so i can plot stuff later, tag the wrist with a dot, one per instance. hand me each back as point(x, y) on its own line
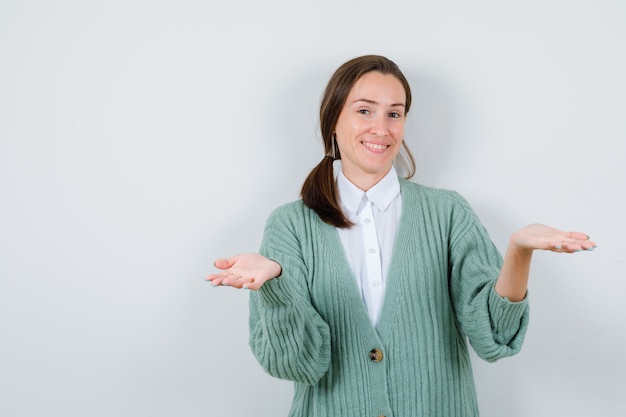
point(276, 270)
point(517, 249)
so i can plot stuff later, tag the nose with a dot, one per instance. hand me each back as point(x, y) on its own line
point(379, 126)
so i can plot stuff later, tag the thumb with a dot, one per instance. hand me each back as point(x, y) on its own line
point(224, 263)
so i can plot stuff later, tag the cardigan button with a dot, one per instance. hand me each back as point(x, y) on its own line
point(376, 355)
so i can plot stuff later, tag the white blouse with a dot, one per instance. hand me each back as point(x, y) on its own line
point(369, 243)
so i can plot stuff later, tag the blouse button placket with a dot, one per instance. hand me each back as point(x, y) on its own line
point(373, 283)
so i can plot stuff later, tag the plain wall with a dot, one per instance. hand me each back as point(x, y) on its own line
point(140, 140)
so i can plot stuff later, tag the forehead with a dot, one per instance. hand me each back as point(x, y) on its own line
point(378, 87)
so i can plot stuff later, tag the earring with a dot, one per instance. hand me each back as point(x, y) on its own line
point(333, 152)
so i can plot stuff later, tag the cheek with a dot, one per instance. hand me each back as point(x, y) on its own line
point(349, 129)
point(398, 131)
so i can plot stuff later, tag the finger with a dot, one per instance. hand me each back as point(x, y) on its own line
point(235, 283)
point(252, 285)
point(242, 282)
point(560, 246)
point(249, 283)
point(215, 280)
point(579, 241)
point(219, 278)
point(565, 248)
point(225, 263)
point(589, 245)
point(571, 247)
point(213, 277)
point(577, 235)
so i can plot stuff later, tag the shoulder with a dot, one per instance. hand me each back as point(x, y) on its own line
point(440, 206)
point(436, 197)
point(293, 209)
point(293, 215)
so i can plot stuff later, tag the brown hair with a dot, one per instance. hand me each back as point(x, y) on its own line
point(319, 190)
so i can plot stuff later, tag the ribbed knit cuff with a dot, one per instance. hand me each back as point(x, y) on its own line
point(506, 316)
point(276, 292)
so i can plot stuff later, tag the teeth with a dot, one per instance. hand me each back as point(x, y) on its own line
point(374, 146)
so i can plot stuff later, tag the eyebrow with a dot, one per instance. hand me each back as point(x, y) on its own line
point(368, 101)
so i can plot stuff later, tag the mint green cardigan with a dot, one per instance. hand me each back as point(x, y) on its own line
point(310, 325)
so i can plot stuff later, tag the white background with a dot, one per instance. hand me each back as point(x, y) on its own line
point(140, 140)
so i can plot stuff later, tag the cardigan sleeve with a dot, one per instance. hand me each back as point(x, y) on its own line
point(287, 335)
point(494, 325)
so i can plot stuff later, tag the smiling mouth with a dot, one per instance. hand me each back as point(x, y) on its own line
point(375, 146)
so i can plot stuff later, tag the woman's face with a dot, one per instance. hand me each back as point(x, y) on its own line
point(370, 128)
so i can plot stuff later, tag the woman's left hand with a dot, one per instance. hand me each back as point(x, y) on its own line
point(513, 280)
point(542, 237)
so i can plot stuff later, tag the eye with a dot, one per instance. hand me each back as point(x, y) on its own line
point(363, 111)
point(395, 115)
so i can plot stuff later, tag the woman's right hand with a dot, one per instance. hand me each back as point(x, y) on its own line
point(247, 271)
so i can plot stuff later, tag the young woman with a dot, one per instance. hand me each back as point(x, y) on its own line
point(368, 288)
